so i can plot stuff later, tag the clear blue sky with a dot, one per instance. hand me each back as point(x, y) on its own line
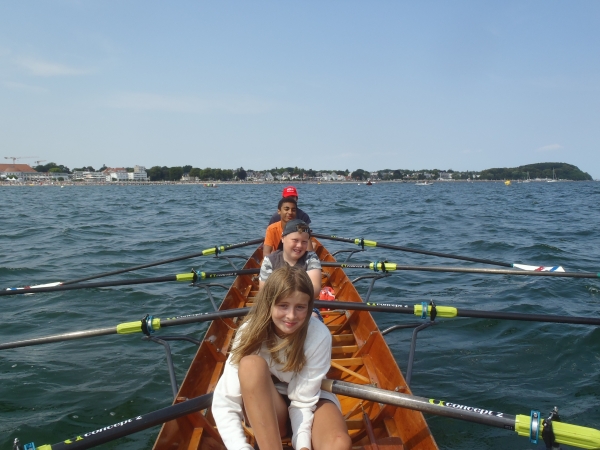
point(338, 85)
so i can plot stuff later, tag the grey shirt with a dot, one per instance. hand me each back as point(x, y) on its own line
point(308, 261)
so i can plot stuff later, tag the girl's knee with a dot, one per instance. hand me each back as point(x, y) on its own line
point(252, 363)
point(252, 368)
point(342, 442)
point(335, 441)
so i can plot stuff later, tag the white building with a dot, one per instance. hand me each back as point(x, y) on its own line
point(21, 171)
point(116, 174)
point(139, 174)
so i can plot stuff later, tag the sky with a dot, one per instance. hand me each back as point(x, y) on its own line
point(462, 85)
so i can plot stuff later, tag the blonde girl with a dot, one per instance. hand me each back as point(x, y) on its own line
point(280, 341)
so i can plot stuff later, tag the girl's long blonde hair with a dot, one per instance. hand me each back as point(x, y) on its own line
point(259, 328)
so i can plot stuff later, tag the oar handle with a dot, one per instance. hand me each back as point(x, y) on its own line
point(575, 435)
point(564, 433)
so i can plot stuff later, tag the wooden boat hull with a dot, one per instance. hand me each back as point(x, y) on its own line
point(359, 355)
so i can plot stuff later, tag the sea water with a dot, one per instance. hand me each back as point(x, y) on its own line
point(49, 393)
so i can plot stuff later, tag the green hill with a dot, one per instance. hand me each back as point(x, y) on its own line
point(562, 171)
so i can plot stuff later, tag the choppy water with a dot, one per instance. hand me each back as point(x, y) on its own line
point(52, 392)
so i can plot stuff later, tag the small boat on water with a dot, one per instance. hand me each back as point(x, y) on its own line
point(368, 183)
point(360, 355)
point(424, 183)
point(213, 185)
point(507, 182)
point(553, 180)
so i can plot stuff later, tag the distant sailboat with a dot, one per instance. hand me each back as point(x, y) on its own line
point(553, 180)
point(528, 180)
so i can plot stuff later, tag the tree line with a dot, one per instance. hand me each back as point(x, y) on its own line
point(562, 171)
point(163, 173)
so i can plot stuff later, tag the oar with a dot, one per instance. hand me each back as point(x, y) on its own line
point(383, 266)
point(578, 436)
point(367, 243)
point(148, 325)
point(209, 251)
point(525, 425)
point(451, 312)
point(188, 277)
point(153, 324)
point(129, 426)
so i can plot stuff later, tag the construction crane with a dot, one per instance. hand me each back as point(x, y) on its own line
point(14, 158)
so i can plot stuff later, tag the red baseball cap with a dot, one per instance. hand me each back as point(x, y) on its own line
point(290, 191)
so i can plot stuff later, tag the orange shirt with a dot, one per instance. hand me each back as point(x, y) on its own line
point(273, 235)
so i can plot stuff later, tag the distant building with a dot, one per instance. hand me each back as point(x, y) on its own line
point(268, 176)
point(21, 171)
point(115, 174)
point(445, 176)
point(139, 174)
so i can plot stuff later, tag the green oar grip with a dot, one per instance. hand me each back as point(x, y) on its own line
point(365, 242)
point(442, 311)
point(564, 433)
point(379, 266)
point(212, 251)
point(135, 327)
point(186, 277)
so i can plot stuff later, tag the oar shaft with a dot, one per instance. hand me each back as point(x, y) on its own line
point(187, 277)
point(129, 328)
point(368, 243)
point(100, 284)
point(226, 273)
point(578, 320)
point(133, 425)
point(204, 317)
point(450, 312)
point(60, 338)
point(208, 251)
point(431, 406)
point(390, 267)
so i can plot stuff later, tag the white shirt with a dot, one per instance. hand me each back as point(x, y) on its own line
point(303, 390)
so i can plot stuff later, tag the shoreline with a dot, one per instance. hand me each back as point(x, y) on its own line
point(244, 183)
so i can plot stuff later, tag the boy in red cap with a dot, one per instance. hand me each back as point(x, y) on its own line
point(286, 211)
point(291, 192)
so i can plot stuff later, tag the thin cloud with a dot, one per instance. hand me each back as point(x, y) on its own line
point(23, 87)
point(49, 69)
point(168, 103)
point(549, 148)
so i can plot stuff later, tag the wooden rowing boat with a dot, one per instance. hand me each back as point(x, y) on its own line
point(359, 355)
